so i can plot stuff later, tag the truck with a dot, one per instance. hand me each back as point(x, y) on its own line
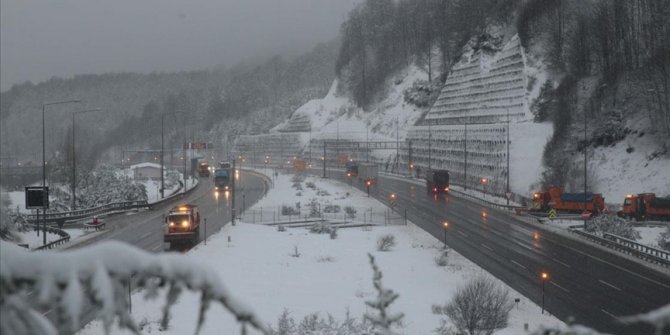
point(222, 180)
point(225, 165)
point(367, 172)
point(553, 197)
point(182, 225)
point(437, 181)
point(203, 168)
point(645, 206)
point(351, 169)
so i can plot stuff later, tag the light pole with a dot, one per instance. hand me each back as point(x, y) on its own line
point(465, 156)
point(484, 182)
point(507, 192)
point(445, 225)
point(74, 162)
point(44, 165)
point(544, 277)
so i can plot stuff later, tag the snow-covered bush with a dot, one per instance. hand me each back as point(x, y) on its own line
point(442, 259)
point(322, 193)
point(330, 208)
point(481, 307)
point(664, 239)
point(314, 208)
point(612, 224)
point(65, 281)
point(351, 212)
point(385, 242)
point(314, 324)
point(311, 185)
point(333, 233)
point(288, 210)
point(321, 228)
point(281, 228)
point(383, 322)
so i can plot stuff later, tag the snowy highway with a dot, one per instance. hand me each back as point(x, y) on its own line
point(145, 229)
point(587, 283)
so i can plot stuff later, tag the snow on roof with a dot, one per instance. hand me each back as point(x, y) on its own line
point(143, 165)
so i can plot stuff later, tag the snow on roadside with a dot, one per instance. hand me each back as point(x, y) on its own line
point(329, 277)
point(33, 240)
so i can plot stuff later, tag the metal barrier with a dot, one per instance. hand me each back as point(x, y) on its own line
point(637, 246)
point(83, 213)
point(65, 237)
point(628, 247)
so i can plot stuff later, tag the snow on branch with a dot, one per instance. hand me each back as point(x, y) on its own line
point(384, 321)
point(97, 277)
point(659, 318)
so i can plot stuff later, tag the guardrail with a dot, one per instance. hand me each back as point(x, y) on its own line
point(65, 237)
point(83, 213)
point(638, 246)
point(628, 246)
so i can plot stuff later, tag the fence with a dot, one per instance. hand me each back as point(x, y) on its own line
point(64, 237)
point(627, 246)
point(83, 213)
point(315, 212)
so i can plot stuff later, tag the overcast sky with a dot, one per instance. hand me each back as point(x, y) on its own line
point(44, 38)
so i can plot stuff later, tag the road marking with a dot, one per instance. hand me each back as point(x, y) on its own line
point(559, 286)
point(487, 247)
point(608, 313)
point(610, 285)
point(145, 235)
point(462, 233)
point(559, 262)
point(157, 247)
point(517, 264)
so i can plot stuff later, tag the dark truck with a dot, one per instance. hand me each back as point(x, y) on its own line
point(203, 169)
point(222, 181)
point(182, 225)
point(437, 181)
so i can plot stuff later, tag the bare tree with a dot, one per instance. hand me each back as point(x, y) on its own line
point(479, 308)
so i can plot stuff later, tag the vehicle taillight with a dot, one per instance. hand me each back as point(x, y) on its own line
point(435, 189)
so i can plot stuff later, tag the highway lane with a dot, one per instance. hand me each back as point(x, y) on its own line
point(145, 229)
point(587, 284)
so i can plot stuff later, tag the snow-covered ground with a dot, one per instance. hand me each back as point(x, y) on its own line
point(330, 276)
point(33, 240)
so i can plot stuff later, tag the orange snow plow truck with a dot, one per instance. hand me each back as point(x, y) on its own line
point(554, 197)
point(182, 225)
point(645, 206)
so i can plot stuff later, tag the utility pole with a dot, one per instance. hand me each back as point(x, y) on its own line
point(324, 158)
point(585, 162)
point(409, 157)
point(74, 161)
point(507, 194)
point(465, 157)
point(162, 155)
point(232, 201)
point(367, 144)
point(397, 145)
point(430, 150)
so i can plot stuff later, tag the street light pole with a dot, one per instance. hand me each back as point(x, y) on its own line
point(162, 155)
point(74, 153)
point(544, 277)
point(44, 166)
point(465, 157)
point(507, 192)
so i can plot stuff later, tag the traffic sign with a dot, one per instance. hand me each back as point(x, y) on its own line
point(36, 196)
point(552, 214)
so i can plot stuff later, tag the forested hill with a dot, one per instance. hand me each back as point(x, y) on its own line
point(603, 61)
point(132, 103)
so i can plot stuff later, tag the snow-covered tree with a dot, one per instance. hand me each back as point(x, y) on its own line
point(612, 224)
point(96, 278)
point(106, 185)
point(383, 321)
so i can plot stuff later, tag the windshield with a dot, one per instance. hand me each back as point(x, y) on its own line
point(178, 218)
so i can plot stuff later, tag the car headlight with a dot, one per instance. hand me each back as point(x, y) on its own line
point(184, 223)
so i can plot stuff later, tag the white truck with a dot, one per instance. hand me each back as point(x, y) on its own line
point(367, 172)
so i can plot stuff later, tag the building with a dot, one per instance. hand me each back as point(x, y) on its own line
point(145, 171)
